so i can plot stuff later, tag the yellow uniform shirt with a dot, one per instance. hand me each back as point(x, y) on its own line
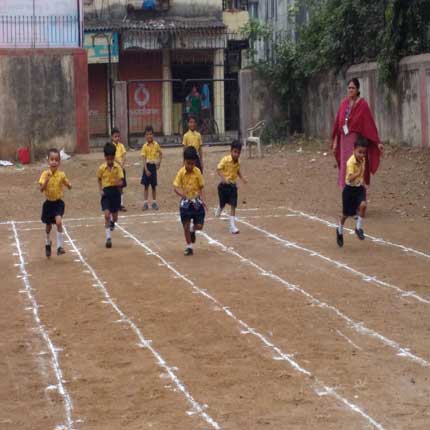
point(54, 189)
point(151, 151)
point(229, 168)
point(110, 176)
point(120, 152)
point(192, 138)
point(190, 183)
point(354, 167)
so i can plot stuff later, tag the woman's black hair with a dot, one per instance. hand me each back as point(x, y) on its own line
point(356, 82)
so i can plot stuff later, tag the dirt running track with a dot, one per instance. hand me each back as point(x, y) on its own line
point(275, 328)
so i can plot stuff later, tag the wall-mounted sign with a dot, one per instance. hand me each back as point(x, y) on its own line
point(97, 46)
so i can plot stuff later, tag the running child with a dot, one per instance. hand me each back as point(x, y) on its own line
point(52, 182)
point(151, 157)
point(229, 170)
point(120, 157)
point(354, 193)
point(193, 138)
point(188, 185)
point(110, 179)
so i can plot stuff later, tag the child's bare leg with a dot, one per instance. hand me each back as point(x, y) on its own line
point(60, 243)
point(198, 227)
point(187, 233)
point(145, 194)
point(114, 217)
point(233, 228)
point(342, 220)
point(361, 215)
point(154, 194)
point(107, 218)
point(48, 233)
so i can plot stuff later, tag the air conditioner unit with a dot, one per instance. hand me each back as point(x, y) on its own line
point(148, 5)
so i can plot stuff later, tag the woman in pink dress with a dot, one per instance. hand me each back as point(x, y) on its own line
point(353, 119)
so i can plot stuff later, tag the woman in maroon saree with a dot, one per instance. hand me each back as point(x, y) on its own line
point(354, 118)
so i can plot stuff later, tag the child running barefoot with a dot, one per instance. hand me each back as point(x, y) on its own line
point(120, 156)
point(52, 182)
point(354, 193)
point(188, 185)
point(229, 170)
point(151, 156)
point(110, 179)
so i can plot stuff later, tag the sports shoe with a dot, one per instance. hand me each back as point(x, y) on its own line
point(234, 230)
point(48, 249)
point(112, 226)
point(339, 238)
point(155, 206)
point(360, 233)
point(188, 251)
point(60, 251)
point(218, 212)
point(193, 237)
point(109, 243)
point(145, 207)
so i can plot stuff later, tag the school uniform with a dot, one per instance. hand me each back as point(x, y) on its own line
point(54, 205)
point(109, 177)
point(227, 191)
point(151, 153)
point(191, 184)
point(354, 192)
point(119, 157)
point(194, 138)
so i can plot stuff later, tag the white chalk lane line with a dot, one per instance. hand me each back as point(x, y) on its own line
point(320, 388)
point(369, 279)
point(196, 407)
point(359, 327)
point(53, 350)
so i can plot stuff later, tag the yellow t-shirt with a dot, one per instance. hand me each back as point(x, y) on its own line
point(192, 138)
point(191, 183)
point(120, 152)
point(110, 176)
point(54, 189)
point(151, 151)
point(353, 167)
point(229, 168)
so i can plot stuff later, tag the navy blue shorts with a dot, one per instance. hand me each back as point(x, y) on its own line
point(111, 199)
point(192, 210)
point(52, 209)
point(352, 197)
point(227, 194)
point(150, 180)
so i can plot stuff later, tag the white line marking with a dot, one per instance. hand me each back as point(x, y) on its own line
point(367, 278)
point(197, 408)
point(279, 354)
point(348, 340)
point(53, 350)
point(359, 327)
point(377, 240)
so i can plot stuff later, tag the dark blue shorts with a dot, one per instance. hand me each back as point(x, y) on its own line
point(227, 194)
point(111, 199)
point(192, 210)
point(352, 197)
point(150, 180)
point(52, 209)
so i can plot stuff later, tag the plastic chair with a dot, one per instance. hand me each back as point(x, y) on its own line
point(254, 138)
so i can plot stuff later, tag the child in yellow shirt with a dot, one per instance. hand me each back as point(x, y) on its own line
point(354, 193)
point(151, 157)
point(229, 170)
point(193, 138)
point(120, 157)
point(110, 179)
point(51, 183)
point(188, 185)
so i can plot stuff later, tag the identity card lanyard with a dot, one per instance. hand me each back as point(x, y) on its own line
point(347, 115)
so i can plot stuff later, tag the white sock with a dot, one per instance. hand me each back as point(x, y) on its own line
point(59, 239)
point(192, 228)
point(47, 239)
point(108, 236)
point(340, 229)
point(232, 219)
point(359, 223)
point(190, 245)
point(122, 199)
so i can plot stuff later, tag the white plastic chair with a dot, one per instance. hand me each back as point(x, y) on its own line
point(254, 138)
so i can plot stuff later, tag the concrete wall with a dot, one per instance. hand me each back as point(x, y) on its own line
point(44, 101)
point(402, 115)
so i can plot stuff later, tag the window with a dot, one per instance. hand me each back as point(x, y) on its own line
point(235, 4)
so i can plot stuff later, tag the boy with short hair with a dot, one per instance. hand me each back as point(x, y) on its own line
point(151, 156)
point(188, 185)
point(354, 193)
point(229, 170)
point(120, 156)
point(51, 182)
point(110, 179)
point(193, 138)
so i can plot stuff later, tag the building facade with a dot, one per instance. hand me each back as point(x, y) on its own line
point(164, 50)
